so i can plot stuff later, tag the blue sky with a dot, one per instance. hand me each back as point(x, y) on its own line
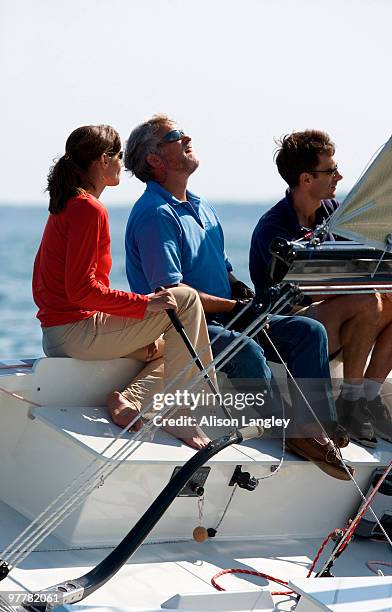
point(236, 75)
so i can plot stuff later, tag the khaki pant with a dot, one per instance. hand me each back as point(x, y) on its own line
point(148, 382)
point(105, 336)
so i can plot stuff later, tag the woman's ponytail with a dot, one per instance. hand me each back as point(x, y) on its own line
point(64, 181)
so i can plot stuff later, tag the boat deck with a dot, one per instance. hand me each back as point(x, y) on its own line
point(276, 529)
point(158, 571)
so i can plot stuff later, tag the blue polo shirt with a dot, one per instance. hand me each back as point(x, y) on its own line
point(280, 221)
point(169, 242)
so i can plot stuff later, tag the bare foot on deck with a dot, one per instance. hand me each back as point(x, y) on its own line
point(122, 411)
point(196, 442)
point(195, 436)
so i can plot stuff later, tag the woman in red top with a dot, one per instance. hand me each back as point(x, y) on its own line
point(81, 316)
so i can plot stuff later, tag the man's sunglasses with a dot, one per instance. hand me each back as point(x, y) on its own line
point(173, 136)
point(331, 171)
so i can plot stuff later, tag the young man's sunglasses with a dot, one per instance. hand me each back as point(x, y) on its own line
point(331, 171)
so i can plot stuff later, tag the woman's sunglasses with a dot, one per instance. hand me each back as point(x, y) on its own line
point(120, 154)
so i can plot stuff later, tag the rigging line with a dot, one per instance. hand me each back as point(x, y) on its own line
point(262, 318)
point(96, 460)
point(350, 528)
point(298, 388)
point(225, 328)
point(325, 433)
point(46, 527)
point(5, 606)
point(65, 506)
point(119, 436)
point(110, 470)
point(226, 508)
point(73, 500)
point(276, 470)
point(233, 320)
point(368, 507)
point(259, 320)
point(329, 214)
point(252, 335)
point(275, 309)
point(254, 330)
point(379, 262)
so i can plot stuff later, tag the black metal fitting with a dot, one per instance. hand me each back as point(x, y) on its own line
point(243, 479)
point(4, 569)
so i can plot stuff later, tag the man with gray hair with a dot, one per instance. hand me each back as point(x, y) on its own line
point(174, 237)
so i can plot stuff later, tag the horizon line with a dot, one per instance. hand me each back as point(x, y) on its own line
point(217, 202)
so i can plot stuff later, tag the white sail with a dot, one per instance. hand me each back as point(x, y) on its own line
point(366, 213)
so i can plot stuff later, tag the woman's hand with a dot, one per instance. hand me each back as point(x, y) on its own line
point(161, 301)
point(155, 349)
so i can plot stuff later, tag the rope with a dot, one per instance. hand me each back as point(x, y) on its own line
point(226, 508)
point(320, 550)
point(298, 388)
point(379, 262)
point(335, 532)
point(5, 606)
point(277, 580)
point(351, 528)
point(251, 573)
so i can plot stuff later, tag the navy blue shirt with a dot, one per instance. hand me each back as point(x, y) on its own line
point(168, 242)
point(280, 221)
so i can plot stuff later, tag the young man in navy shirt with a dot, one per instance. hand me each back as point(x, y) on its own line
point(305, 160)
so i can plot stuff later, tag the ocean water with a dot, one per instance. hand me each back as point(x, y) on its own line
point(20, 234)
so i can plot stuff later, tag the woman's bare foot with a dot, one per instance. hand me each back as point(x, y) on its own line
point(195, 436)
point(122, 411)
point(196, 442)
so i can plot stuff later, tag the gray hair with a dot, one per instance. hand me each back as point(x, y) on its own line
point(142, 141)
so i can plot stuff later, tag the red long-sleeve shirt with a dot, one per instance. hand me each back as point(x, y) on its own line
point(72, 266)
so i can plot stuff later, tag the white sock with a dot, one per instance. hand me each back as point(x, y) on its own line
point(372, 388)
point(352, 392)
